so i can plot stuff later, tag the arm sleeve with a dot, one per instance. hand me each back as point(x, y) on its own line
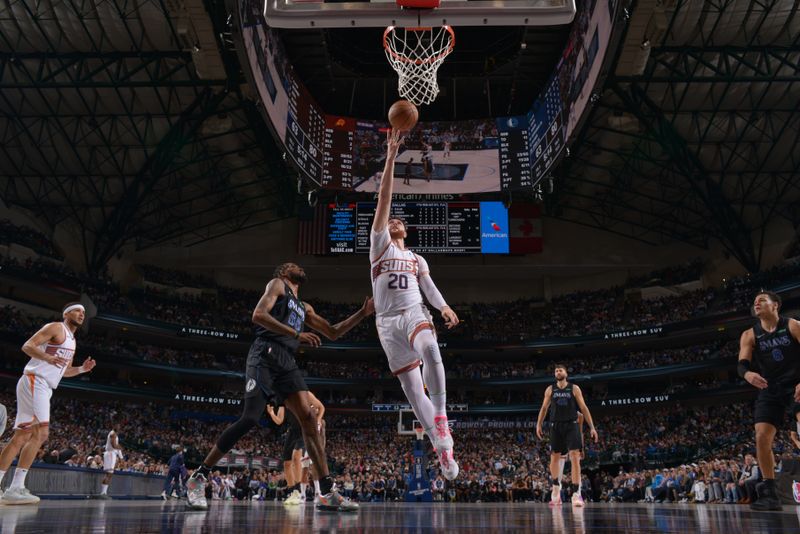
point(378, 243)
point(428, 287)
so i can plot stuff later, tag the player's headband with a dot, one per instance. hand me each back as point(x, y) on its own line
point(73, 308)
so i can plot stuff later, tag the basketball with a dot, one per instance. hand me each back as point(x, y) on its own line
point(403, 115)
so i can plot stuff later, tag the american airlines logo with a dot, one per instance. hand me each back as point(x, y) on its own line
point(394, 266)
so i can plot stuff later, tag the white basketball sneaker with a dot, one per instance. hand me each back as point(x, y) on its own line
point(196, 492)
point(555, 496)
point(577, 499)
point(293, 499)
point(19, 496)
point(444, 447)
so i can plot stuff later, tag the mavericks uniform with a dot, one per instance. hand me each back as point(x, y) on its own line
point(399, 312)
point(40, 378)
point(564, 432)
point(271, 368)
point(777, 358)
point(294, 437)
point(111, 454)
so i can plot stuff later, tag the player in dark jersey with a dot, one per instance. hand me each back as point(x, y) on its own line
point(272, 376)
point(565, 436)
point(769, 359)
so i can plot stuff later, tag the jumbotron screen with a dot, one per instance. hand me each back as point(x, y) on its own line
point(475, 156)
point(432, 227)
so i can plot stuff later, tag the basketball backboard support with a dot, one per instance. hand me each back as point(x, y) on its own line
point(383, 13)
point(406, 421)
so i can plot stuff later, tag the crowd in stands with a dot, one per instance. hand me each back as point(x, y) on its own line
point(174, 277)
point(499, 460)
point(28, 237)
point(576, 314)
point(21, 325)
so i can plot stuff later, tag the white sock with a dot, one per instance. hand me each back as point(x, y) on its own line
point(411, 382)
point(2, 474)
point(316, 488)
point(425, 344)
point(303, 487)
point(103, 489)
point(561, 464)
point(19, 478)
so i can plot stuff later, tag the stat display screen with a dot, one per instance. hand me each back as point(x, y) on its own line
point(432, 227)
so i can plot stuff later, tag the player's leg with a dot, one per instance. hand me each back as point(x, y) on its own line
point(23, 424)
point(575, 460)
point(414, 388)
point(555, 493)
point(769, 414)
point(254, 406)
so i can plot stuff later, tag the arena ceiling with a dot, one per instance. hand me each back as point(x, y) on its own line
point(132, 119)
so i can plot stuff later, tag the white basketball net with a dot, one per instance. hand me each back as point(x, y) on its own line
point(416, 54)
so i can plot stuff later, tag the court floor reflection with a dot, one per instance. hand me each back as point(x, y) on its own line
point(172, 517)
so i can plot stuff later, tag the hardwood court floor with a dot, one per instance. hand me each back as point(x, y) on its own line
point(67, 516)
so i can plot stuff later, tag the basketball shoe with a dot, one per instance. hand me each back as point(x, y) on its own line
point(555, 496)
point(293, 499)
point(334, 501)
point(196, 492)
point(19, 496)
point(444, 447)
point(577, 499)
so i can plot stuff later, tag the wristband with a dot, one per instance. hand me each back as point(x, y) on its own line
point(743, 367)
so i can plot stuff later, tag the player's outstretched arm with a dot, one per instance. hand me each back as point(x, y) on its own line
point(433, 294)
point(585, 411)
point(333, 332)
point(746, 345)
point(543, 411)
point(384, 207)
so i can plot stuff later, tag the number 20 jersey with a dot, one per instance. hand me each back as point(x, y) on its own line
point(394, 273)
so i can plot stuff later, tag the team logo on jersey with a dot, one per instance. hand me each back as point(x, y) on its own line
point(777, 355)
point(250, 386)
point(796, 491)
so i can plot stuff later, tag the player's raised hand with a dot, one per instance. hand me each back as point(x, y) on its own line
point(757, 380)
point(369, 306)
point(310, 338)
point(450, 317)
point(88, 365)
point(394, 138)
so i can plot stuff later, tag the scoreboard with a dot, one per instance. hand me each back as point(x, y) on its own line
point(432, 227)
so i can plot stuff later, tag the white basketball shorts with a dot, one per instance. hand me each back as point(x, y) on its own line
point(109, 461)
point(397, 332)
point(33, 402)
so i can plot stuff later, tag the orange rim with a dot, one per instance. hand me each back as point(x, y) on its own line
point(405, 59)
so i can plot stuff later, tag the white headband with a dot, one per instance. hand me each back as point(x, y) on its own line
point(72, 308)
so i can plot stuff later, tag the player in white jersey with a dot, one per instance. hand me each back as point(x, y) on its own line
point(112, 453)
point(405, 326)
point(51, 350)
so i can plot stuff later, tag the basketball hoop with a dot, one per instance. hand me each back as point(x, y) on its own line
point(420, 433)
point(416, 54)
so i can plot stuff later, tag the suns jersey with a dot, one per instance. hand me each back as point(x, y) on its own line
point(52, 374)
point(395, 274)
point(110, 442)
